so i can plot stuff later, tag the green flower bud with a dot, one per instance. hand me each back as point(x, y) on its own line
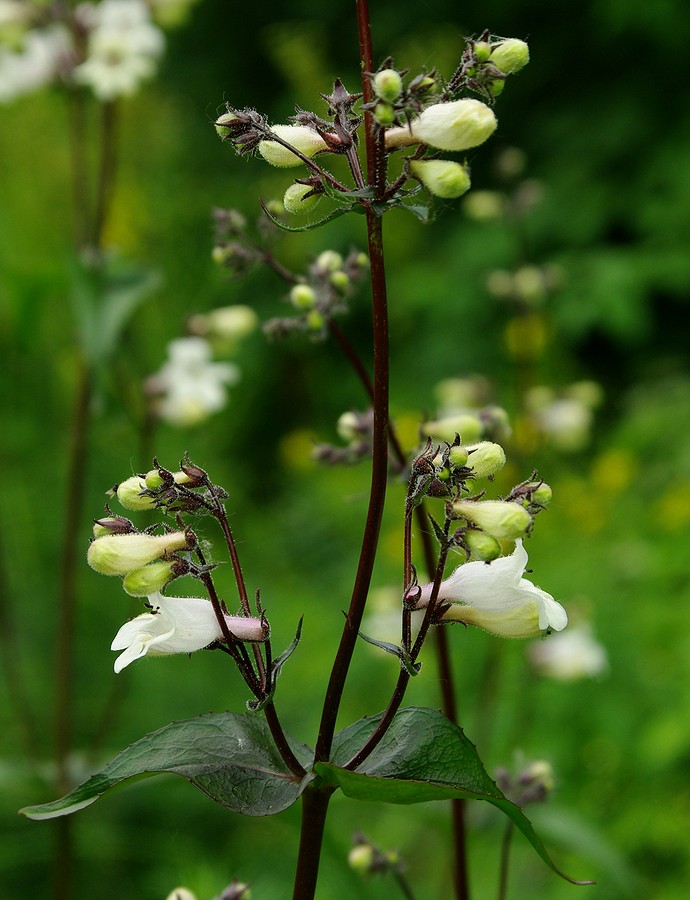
point(295, 200)
point(362, 260)
point(459, 125)
point(539, 774)
point(150, 579)
point(302, 138)
point(482, 51)
point(466, 425)
point(483, 206)
point(497, 86)
point(221, 124)
point(154, 480)
point(329, 261)
point(315, 320)
point(361, 859)
point(130, 496)
point(112, 525)
point(482, 546)
point(384, 113)
point(441, 177)
point(340, 281)
point(348, 426)
point(510, 55)
point(119, 554)
point(486, 458)
point(302, 297)
point(458, 456)
point(540, 493)
point(388, 84)
point(503, 520)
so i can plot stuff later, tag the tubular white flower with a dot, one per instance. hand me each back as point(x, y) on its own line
point(459, 125)
point(178, 625)
point(302, 138)
point(494, 596)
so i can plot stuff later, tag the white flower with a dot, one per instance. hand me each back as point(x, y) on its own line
point(123, 48)
point(569, 656)
point(178, 625)
point(191, 386)
point(496, 597)
point(35, 65)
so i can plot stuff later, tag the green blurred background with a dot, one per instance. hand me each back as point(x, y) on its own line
point(603, 124)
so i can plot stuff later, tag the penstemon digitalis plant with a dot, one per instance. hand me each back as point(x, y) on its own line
point(247, 762)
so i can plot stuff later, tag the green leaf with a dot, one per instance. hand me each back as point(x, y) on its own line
point(231, 758)
point(336, 214)
point(423, 756)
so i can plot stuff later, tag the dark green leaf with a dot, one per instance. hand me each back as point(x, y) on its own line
point(336, 214)
point(423, 756)
point(231, 758)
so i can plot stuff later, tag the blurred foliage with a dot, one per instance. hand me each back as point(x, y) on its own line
point(604, 129)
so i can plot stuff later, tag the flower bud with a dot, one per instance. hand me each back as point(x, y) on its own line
point(482, 51)
point(384, 113)
point(486, 458)
point(361, 859)
point(222, 123)
point(181, 893)
point(441, 177)
point(497, 86)
point(388, 84)
point(302, 296)
point(112, 525)
point(119, 554)
point(481, 545)
point(315, 320)
point(301, 137)
point(458, 456)
point(329, 261)
point(295, 200)
point(466, 425)
point(502, 520)
point(154, 480)
point(539, 492)
point(340, 281)
point(459, 125)
point(236, 891)
point(129, 493)
point(152, 578)
point(510, 55)
point(226, 324)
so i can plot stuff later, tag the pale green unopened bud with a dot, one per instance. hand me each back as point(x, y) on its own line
point(340, 281)
point(130, 496)
point(150, 579)
point(510, 55)
point(388, 84)
point(315, 320)
point(502, 520)
point(483, 206)
point(361, 859)
point(362, 260)
point(154, 480)
point(296, 201)
point(482, 546)
point(221, 124)
point(540, 493)
point(486, 458)
point(119, 554)
point(302, 297)
point(329, 261)
point(467, 426)
point(459, 125)
point(302, 138)
point(497, 86)
point(482, 51)
point(539, 774)
point(441, 177)
point(384, 113)
point(458, 456)
point(348, 426)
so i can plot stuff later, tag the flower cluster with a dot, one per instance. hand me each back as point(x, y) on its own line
point(149, 562)
point(110, 47)
point(425, 115)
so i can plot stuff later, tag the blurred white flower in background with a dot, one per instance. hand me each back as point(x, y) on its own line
point(570, 655)
point(123, 47)
point(565, 419)
point(33, 61)
point(190, 386)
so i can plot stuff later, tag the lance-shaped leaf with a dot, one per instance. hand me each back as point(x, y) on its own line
point(231, 758)
point(423, 756)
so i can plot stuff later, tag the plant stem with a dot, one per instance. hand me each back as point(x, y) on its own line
point(314, 809)
point(505, 861)
point(106, 173)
